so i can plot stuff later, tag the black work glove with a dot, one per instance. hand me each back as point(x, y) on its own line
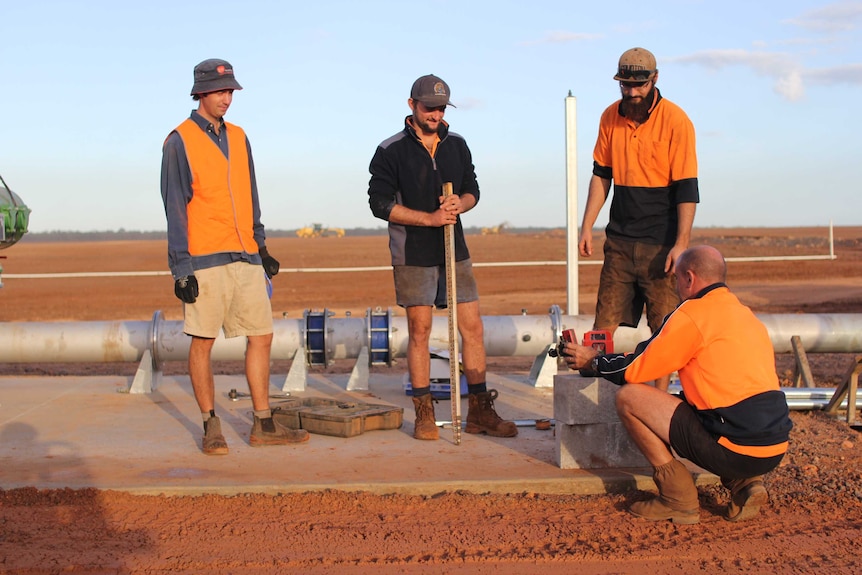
point(270, 264)
point(186, 288)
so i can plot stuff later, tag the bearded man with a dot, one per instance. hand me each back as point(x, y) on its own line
point(646, 146)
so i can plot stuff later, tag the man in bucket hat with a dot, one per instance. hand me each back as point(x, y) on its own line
point(646, 147)
point(217, 251)
point(407, 175)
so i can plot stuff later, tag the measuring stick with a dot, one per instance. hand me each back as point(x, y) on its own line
point(452, 308)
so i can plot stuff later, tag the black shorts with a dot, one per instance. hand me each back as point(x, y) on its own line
point(691, 441)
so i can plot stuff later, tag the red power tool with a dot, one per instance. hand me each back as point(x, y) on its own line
point(599, 339)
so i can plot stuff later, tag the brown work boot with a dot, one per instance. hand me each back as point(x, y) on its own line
point(746, 497)
point(482, 418)
point(426, 422)
point(677, 498)
point(267, 432)
point(213, 442)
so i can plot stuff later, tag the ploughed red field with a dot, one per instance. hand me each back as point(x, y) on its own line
point(813, 523)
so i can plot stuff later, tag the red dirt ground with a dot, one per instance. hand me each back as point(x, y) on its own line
point(812, 525)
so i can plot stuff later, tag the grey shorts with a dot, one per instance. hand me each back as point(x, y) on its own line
point(633, 276)
point(420, 285)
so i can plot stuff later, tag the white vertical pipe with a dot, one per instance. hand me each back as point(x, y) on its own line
point(571, 206)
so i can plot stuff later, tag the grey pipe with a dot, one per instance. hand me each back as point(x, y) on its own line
point(801, 398)
point(505, 336)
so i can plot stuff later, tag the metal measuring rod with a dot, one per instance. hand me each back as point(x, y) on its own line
point(452, 304)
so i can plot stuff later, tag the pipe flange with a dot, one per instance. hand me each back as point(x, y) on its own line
point(317, 337)
point(390, 357)
point(379, 352)
point(328, 351)
point(556, 322)
point(154, 340)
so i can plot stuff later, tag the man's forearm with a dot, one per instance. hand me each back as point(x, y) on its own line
point(597, 195)
point(407, 217)
point(685, 222)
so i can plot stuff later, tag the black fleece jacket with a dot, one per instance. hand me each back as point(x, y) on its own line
point(404, 173)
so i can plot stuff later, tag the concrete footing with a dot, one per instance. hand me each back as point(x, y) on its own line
point(589, 433)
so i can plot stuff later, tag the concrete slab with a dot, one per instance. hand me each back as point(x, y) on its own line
point(81, 432)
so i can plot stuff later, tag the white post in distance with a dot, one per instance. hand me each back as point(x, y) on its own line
point(571, 206)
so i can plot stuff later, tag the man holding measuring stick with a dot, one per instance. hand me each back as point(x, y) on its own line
point(408, 174)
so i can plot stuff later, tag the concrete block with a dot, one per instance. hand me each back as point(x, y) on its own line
point(588, 431)
point(580, 400)
point(596, 446)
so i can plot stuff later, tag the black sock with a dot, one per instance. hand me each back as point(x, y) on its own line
point(420, 391)
point(475, 388)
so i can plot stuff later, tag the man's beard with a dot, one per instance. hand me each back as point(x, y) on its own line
point(424, 127)
point(638, 111)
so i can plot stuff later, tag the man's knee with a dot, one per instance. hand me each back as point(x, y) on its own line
point(623, 398)
point(472, 331)
point(201, 344)
point(470, 325)
point(633, 396)
point(419, 327)
point(257, 341)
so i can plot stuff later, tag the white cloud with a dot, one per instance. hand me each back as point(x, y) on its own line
point(469, 103)
point(790, 86)
point(849, 74)
point(781, 67)
point(835, 17)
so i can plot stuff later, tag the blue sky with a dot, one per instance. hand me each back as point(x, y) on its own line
point(91, 89)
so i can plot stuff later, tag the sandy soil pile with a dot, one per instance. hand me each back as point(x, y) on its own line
point(812, 525)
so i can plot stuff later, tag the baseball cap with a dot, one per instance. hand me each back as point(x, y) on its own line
point(636, 65)
point(214, 75)
point(431, 91)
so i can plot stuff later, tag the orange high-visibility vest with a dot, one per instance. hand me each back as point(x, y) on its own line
point(220, 213)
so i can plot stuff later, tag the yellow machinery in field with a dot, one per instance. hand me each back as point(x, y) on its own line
point(318, 231)
point(494, 230)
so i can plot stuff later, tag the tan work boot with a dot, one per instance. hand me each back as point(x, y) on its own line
point(426, 422)
point(213, 442)
point(483, 418)
point(746, 497)
point(267, 432)
point(677, 498)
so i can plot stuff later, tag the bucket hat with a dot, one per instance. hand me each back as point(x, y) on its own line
point(214, 75)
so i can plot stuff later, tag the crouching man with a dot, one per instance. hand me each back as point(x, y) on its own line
point(731, 417)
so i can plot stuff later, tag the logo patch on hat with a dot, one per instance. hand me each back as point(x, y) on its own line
point(439, 89)
point(220, 70)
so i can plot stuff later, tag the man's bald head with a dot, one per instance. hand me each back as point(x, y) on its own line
point(699, 267)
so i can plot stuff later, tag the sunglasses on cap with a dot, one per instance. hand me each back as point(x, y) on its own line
point(626, 84)
point(627, 75)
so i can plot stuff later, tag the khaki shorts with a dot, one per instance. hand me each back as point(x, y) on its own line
point(420, 285)
point(633, 276)
point(232, 297)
